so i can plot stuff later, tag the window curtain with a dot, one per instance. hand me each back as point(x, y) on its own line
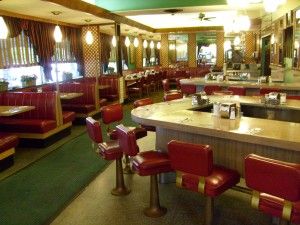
point(105, 49)
point(124, 50)
point(41, 36)
point(74, 37)
point(14, 26)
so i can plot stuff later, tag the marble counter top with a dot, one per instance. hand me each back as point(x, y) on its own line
point(176, 115)
point(246, 84)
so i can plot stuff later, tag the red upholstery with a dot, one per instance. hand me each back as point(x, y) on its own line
point(48, 87)
point(68, 116)
point(188, 89)
point(275, 180)
point(137, 88)
point(83, 104)
point(127, 140)
point(236, 90)
point(209, 89)
point(295, 97)
point(172, 96)
point(27, 125)
point(151, 162)
point(39, 120)
point(8, 141)
point(112, 113)
point(102, 102)
point(263, 91)
point(143, 102)
point(222, 92)
point(195, 161)
point(166, 87)
point(108, 150)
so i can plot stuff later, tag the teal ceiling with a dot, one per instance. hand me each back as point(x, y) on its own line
point(127, 5)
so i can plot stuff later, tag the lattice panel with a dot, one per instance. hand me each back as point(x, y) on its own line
point(220, 49)
point(164, 51)
point(139, 54)
point(192, 50)
point(91, 53)
point(249, 47)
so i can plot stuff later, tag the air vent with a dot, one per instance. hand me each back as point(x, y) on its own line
point(173, 11)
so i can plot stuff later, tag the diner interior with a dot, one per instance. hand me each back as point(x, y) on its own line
point(149, 112)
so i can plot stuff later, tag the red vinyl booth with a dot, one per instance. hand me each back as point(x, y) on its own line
point(147, 163)
point(110, 151)
point(237, 90)
point(188, 89)
point(209, 89)
point(195, 171)
point(276, 187)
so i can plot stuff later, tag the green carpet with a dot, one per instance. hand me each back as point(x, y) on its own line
point(35, 194)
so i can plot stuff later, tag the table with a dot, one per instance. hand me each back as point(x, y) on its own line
point(231, 140)
point(102, 87)
point(14, 110)
point(68, 96)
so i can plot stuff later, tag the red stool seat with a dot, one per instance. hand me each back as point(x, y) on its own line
point(143, 102)
point(276, 187)
point(151, 162)
point(172, 96)
point(110, 150)
point(220, 180)
point(196, 172)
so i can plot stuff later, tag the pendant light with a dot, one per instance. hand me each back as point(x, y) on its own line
point(57, 31)
point(158, 46)
point(89, 39)
point(136, 42)
point(145, 44)
point(127, 42)
point(3, 28)
point(151, 44)
point(114, 41)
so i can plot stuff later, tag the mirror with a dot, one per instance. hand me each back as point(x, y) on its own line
point(206, 48)
point(178, 52)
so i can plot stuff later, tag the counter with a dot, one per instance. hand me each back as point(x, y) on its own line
point(231, 140)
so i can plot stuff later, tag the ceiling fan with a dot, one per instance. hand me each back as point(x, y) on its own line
point(202, 17)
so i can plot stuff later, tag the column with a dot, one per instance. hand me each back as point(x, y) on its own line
point(192, 50)
point(220, 49)
point(164, 51)
point(139, 54)
point(249, 47)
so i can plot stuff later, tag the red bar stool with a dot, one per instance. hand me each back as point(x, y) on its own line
point(188, 89)
point(172, 96)
point(112, 114)
point(195, 171)
point(148, 163)
point(264, 91)
point(209, 89)
point(110, 151)
point(276, 187)
point(143, 102)
point(236, 90)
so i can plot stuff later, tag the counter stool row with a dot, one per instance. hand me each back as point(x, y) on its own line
point(275, 184)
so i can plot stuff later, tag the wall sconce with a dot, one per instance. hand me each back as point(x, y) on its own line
point(145, 44)
point(158, 46)
point(272, 39)
point(89, 39)
point(127, 42)
point(3, 28)
point(237, 41)
point(136, 42)
point(114, 41)
point(151, 44)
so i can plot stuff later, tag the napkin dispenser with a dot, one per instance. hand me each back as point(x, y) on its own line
point(228, 110)
point(200, 98)
point(272, 98)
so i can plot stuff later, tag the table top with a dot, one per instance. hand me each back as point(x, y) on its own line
point(14, 110)
point(176, 115)
point(102, 87)
point(68, 96)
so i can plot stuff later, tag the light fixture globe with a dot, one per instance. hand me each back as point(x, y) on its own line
point(145, 44)
point(158, 45)
point(89, 39)
point(57, 34)
point(237, 41)
point(136, 42)
point(127, 42)
point(3, 28)
point(114, 41)
point(151, 44)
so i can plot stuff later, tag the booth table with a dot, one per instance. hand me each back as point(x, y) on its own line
point(231, 140)
point(14, 110)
